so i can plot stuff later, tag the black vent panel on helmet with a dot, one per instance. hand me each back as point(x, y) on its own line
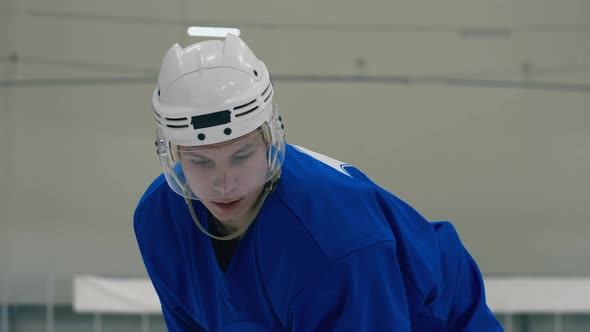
point(211, 119)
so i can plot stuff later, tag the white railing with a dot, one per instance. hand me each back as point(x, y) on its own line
point(506, 296)
point(538, 295)
point(94, 294)
point(50, 294)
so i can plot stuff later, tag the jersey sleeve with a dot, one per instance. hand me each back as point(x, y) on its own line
point(363, 291)
point(468, 310)
point(177, 322)
point(154, 245)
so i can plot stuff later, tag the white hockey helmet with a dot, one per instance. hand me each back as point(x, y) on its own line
point(209, 94)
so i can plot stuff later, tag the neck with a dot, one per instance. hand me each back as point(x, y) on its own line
point(223, 228)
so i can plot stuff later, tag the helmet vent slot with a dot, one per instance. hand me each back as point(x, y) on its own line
point(265, 90)
point(245, 105)
point(176, 119)
point(268, 97)
point(176, 126)
point(248, 111)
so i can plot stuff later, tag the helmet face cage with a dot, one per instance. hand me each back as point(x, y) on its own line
point(224, 170)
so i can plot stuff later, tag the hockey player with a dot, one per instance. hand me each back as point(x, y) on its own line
point(243, 232)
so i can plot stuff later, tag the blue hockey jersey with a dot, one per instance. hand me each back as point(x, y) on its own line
point(329, 251)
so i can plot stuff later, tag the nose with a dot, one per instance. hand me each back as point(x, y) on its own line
point(226, 183)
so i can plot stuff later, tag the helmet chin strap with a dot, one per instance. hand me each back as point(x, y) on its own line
point(269, 187)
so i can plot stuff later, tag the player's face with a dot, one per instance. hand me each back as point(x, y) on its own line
point(227, 177)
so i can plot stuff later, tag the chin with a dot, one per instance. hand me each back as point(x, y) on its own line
point(231, 219)
point(235, 222)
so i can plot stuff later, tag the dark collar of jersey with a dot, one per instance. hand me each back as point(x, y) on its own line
point(224, 249)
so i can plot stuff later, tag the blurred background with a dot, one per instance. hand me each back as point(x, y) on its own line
point(472, 111)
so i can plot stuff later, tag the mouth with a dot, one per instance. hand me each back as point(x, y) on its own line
point(227, 205)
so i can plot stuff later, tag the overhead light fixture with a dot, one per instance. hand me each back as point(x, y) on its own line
point(211, 31)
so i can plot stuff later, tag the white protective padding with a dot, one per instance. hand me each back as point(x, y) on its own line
point(93, 294)
point(505, 295)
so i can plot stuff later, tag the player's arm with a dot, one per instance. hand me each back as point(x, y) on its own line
point(464, 286)
point(363, 291)
point(175, 318)
point(470, 311)
point(176, 321)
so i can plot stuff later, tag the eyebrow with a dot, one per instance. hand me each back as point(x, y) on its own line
point(195, 155)
point(246, 147)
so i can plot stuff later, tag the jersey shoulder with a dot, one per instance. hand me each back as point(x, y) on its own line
point(324, 210)
point(333, 201)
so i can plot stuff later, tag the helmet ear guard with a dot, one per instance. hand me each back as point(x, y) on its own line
point(274, 137)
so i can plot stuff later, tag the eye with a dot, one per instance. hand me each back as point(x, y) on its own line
point(201, 162)
point(242, 156)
